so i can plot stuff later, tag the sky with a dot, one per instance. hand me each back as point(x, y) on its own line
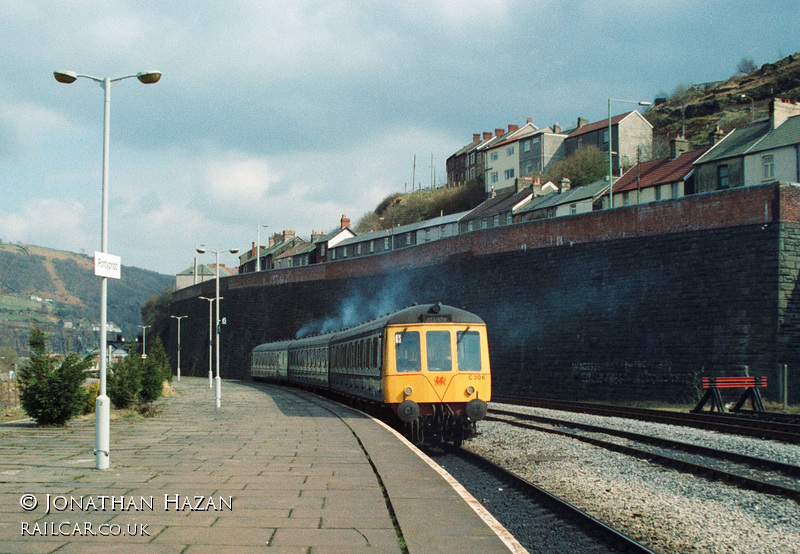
point(292, 114)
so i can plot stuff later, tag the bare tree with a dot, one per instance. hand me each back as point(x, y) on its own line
point(746, 66)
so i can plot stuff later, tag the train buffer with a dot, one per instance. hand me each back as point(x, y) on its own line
point(713, 385)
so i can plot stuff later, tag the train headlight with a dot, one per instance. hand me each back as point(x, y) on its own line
point(470, 390)
point(408, 411)
point(476, 409)
point(408, 391)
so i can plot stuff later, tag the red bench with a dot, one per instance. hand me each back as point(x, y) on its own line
point(714, 384)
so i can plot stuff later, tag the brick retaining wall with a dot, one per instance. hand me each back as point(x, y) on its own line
point(630, 303)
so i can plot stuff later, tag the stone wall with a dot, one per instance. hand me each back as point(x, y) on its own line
point(634, 303)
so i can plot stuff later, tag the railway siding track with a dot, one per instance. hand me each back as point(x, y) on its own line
point(539, 520)
point(762, 475)
point(781, 427)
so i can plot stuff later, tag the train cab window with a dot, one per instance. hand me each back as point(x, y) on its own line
point(407, 352)
point(469, 350)
point(438, 348)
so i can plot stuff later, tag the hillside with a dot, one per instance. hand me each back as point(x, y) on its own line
point(708, 105)
point(58, 291)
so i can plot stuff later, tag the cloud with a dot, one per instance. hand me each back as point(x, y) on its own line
point(240, 179)
point(53, 222)
point(25, 125)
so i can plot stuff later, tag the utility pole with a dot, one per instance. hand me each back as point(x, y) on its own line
point(433, 178)
point(414, 173)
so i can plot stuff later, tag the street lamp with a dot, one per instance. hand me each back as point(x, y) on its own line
point(179, 318)
point(210, 339)
point(218, 381)
point(258, 246)
point(102, 404)
point(144, 339)
point(746, 97)
point(610, 151)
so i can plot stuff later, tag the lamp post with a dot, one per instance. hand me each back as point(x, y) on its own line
point(102, 404)
point(610, 150)
point(258, 246)
point(144, 340)
point(179, 318)
point(218, 380)
point(746, 97)
point(210, 339)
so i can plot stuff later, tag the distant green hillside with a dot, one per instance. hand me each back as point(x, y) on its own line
point(58, 291)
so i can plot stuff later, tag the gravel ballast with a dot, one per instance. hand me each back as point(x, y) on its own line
point(667, 510)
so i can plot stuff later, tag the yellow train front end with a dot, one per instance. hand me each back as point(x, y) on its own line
point(437, 377)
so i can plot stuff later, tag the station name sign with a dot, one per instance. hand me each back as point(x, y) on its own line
point(107, 265)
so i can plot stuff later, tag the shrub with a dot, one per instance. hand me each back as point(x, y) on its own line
point(125, 381)
point(51, 390)
point(92, 391)
point(155, 371)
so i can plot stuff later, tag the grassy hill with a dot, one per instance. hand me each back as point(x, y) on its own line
point(58, 291)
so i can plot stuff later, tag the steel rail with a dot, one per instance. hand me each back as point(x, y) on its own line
point(668, 461)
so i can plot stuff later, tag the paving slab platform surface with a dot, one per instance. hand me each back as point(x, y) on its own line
point(272, 469)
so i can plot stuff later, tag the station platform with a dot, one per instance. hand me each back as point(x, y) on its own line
point(273, 469)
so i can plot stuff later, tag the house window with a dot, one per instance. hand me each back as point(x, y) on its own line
point(408, 239)
point(675, 190)
point(626, 198)
point(371, 246)
point(551, 212)
point(573, 209)
point(469, 226)
point(509, 173)
point(472, 158)
point(510, 151)
point(493, 157)
point(508, 218)
point(484, 223)
point(769, 166)
point(333, 254)
point(472, 173)
point(386, 243)
point(496, 221)
point(723, 181)
point(358, 249)
point(526, 146)
point(344, 252)
point(322, 250)
point(427, 235)
point(658, 193)
point(494, 176)
point(605, 136)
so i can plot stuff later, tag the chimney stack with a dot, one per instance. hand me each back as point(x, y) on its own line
point(512, 127)
point(716, 135)
point(345, 222)
point(582, 121)
point(487, 135)
point(476, 137)
point(564, 185)
point(499, 132)
point(678, 146)
point(780, 110)
point(557, 128)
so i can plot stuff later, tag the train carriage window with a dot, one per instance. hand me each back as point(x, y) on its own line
point(468, 344)
point(407, 351)
point(439, 351)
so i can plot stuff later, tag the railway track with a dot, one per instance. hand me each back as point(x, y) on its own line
point(770, 426)
point(755, 473)
point(540, 521)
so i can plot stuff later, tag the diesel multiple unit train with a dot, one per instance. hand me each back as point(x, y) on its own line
point(429, 364)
